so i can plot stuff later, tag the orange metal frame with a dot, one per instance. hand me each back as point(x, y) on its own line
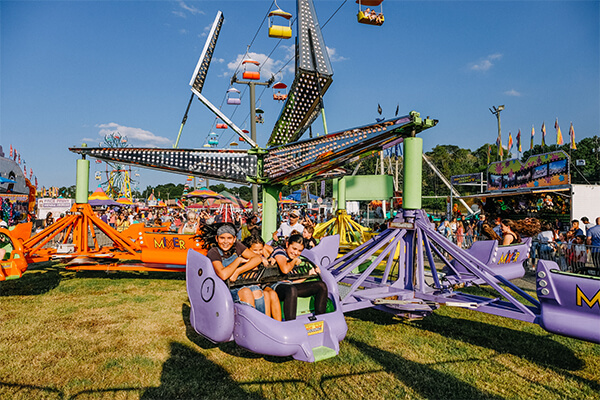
point(138, 248)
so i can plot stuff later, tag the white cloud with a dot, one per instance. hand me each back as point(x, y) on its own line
point(486, 63)
point(188, 8)
point(136, 137)
point(512, 92)
point(333, 56)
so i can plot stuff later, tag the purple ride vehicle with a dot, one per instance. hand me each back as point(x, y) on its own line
point(309, 337)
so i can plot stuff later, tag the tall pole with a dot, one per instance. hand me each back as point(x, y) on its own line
point(499, 135)
point(496, 111)
point(252, 86)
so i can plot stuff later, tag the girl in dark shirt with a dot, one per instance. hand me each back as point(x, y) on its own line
point(287, 258)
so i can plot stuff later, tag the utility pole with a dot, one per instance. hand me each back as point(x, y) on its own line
point(496, 112)
point(252, 86)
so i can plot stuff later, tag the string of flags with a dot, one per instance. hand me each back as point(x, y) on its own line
point(16, 157)
point(559, 139)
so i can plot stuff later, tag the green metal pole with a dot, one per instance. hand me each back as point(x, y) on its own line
point(83, 181)
point(324, 120)
point(269, 216)
point(413, 171)
point(341, 194)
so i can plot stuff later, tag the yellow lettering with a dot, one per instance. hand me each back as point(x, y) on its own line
point(503, 258)
point(159, 244)
point(581, 296)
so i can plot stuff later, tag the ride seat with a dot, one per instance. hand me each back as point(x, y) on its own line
point(254, 75)
point(280, 32)
point(364, 19)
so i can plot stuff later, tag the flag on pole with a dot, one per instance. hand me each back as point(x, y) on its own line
point(572, 135)
point(510, 142)
point(488, 153)
point(11, 151)
point(532, 133)
point(544, 133)
point(500, 150)
point(559, 138)
point(519, 149)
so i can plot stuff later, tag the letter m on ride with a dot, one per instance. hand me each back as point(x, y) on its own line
point(581, 296)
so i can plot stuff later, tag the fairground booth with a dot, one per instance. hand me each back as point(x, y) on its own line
point(539, 187)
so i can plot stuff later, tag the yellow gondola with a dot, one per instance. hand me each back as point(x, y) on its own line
point(369, 15)
point(280, 31)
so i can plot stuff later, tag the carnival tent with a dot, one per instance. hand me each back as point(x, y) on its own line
point(300, 195)
point(100, 198)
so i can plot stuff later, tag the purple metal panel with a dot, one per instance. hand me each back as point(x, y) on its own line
point(211, 303)
point(570, 303)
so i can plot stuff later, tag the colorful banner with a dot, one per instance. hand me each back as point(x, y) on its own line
point(466, 179)
point(532, 134)
point(541, 170)
point(559, 137)
point(543, 133)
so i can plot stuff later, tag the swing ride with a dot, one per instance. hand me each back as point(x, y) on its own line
point(395, 271)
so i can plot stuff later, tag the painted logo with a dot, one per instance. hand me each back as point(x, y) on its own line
point(168, 243)
point(581, 296)
point(509, 256)
point(314, 327)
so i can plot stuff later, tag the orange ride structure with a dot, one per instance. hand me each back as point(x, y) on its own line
point(83, 241)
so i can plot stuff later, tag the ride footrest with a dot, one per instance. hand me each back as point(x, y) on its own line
point(323, 353)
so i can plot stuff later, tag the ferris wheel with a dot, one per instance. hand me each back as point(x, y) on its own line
point(118, 180)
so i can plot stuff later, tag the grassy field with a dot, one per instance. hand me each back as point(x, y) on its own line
point(92, 335)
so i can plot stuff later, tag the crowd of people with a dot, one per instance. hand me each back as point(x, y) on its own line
point(570, 248)
point(234, 246)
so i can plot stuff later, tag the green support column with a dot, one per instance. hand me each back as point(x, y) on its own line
point(269, 216)
point(413, 171)
point(341, 194)
point(83, 181)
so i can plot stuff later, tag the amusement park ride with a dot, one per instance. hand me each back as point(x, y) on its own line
point(409, 269)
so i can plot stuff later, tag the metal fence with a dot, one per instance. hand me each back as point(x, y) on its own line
point(570, 257)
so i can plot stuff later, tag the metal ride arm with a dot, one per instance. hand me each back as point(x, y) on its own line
point(447, 183)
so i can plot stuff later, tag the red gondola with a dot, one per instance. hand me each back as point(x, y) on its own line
point(251, 69)
point(279, 91)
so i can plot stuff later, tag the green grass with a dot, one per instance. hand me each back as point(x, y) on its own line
point(92, 335)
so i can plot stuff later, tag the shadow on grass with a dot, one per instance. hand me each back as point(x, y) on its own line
point(187, 374)
point(538, 349)
point(146, 275)
point(39, 280)
point(230, 348)
point(424, 380)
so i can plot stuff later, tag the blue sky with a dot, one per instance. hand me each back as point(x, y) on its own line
point(72, 71)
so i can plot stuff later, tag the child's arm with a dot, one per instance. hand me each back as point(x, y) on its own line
point(284, 265)
point(248, 261)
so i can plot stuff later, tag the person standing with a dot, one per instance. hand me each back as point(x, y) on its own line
point(586, 224)
point(593, 239)
point(286, 228)
point(575, 228)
